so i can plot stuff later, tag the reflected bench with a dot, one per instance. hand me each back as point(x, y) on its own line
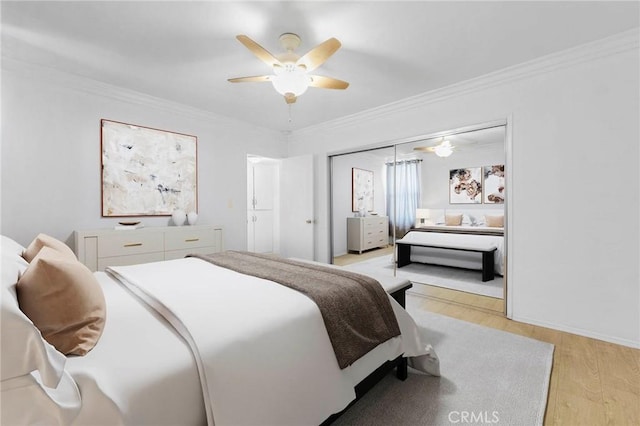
point(488, 254)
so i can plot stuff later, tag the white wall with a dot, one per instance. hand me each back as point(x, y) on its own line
point(574, 127)
point(342, 205)
point(51, 176)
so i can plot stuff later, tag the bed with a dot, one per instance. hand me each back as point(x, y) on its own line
point(452, 236)
point(189, 342)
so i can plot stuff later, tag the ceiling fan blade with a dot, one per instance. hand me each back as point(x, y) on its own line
point(327, 82)
point(257, 78)
point(290, 98)
point(262, 53)
point(316, 56)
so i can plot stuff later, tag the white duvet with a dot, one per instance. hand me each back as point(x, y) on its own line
point(261, 350)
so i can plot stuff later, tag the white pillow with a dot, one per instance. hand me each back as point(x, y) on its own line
point(10, 247)
point(23, 348)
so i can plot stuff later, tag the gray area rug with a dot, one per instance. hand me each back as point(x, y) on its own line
point(488, 377)
point(440, 276)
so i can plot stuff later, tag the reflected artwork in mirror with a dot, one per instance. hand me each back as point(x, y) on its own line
point(465, 186)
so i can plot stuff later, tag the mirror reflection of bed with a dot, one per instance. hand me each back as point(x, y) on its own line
point(448, 212)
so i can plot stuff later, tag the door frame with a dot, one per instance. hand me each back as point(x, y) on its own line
point(507, 122)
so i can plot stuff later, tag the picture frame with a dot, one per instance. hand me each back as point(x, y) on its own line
point(493, 184)
point(147, 171)
point(465, 185)
point(361, 189)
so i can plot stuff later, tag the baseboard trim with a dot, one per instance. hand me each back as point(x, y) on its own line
point(453, 302)
point(579, 332)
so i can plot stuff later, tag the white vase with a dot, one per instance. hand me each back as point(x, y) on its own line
point(178, 217)
point(192, 218)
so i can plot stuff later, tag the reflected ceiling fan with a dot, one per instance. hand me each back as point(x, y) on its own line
point(443, 149)
point(290, 71)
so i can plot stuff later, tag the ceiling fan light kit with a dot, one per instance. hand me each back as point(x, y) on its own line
point(444, 149)
point(290, 80)
point(290, 71)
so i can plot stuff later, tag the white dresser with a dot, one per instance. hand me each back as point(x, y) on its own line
point(100, 248)
point(364, 233)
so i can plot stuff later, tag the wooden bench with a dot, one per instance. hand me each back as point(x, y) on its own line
point(488, 257)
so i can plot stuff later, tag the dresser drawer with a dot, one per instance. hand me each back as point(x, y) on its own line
point(377, 231)
point(133, 259)
point(375, 222)
point(125, 243)
point(187, 239)
point(374, 242)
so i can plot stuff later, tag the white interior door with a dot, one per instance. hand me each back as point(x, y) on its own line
point(264, 181)
point(263, 231)
point(297, 212)
point(262, 196)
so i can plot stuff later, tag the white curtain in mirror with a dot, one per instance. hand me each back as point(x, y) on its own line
point(407, 194)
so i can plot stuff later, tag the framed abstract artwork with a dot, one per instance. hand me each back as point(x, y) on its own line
point(465, 186)
point(493, 184)
point(147, 172)
point(361, 190)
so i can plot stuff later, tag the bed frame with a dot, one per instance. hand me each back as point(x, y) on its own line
point(372, 379)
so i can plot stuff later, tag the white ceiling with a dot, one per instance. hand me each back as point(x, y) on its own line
point(467, 140)
point(185, 51)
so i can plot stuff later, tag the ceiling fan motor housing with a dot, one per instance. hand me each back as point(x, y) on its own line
point(289, 41)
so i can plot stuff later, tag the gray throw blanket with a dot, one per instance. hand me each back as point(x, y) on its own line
point(355, 308)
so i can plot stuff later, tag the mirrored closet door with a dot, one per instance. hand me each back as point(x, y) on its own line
point(360, 209)
point(443, 201)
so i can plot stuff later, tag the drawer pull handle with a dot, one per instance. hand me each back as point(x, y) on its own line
point(191, 240)
point(133, 245)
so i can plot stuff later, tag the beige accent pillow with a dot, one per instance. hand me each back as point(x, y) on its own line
point(44, 240)
point(64, 300)
point(453, 219)
point(494, 221)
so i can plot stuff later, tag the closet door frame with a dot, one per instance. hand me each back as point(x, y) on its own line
point(507, 122)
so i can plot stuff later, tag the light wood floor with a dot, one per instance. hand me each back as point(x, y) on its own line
point(349, 258)
point(592, 382)
point(456, 297)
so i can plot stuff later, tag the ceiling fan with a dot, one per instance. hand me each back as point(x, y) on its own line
point(443, 149)
point(290, 71)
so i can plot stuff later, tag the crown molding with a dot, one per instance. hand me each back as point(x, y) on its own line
point(97, 88)
point(622, 42)
point(612, 45)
